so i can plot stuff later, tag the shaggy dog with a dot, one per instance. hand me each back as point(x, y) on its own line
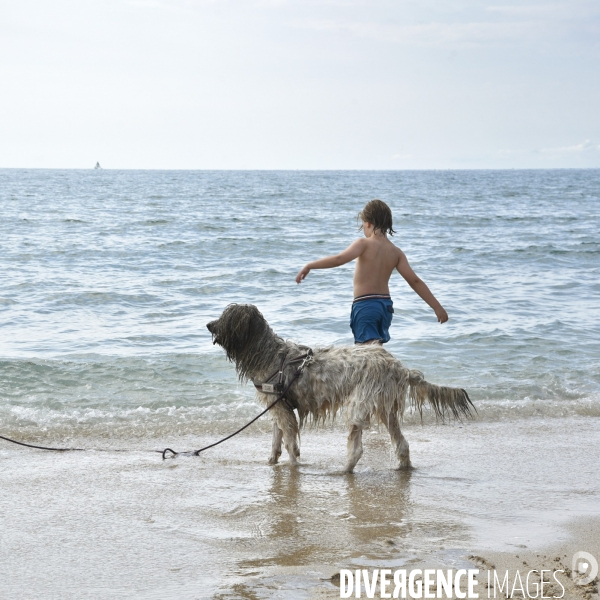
point(366, 381)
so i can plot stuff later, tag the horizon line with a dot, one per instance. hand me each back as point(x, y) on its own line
point(300, 169)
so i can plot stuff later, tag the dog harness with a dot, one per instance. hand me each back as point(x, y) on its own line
point(275, 384)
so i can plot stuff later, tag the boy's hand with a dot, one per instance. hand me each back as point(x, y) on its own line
point(441, 314)
point(302, 274)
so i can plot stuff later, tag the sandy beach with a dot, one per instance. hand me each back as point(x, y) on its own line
point(555, 559)
point(226, 525)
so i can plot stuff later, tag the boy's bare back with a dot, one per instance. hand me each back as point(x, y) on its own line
point(375, 265)
point(376, 258)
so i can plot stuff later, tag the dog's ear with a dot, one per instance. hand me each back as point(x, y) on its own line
point(242, 332)
point(244, 319)
point(235, 328)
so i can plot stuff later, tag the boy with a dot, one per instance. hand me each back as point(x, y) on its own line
point(372, 308)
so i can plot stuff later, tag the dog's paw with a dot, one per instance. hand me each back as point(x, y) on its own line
point(407, 467)
point(273, 460)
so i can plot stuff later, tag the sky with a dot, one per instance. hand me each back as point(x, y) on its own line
point(299, 84)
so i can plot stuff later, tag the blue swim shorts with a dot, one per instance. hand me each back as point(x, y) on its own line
point(371, 318)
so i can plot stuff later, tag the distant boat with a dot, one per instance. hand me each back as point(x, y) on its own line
point(97, 166)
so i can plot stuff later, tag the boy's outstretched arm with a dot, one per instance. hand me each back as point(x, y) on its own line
point(418, 285)
point(354, 250)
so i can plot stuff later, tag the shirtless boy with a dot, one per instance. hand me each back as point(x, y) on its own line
point(377, 258)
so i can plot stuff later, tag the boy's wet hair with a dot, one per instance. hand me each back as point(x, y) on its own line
point(377, 213)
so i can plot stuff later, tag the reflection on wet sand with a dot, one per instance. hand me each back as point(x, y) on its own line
point(313, 517)
point(380, 505)
point(312, 521)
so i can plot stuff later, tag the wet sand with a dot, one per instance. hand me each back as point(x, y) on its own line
point(227, 525)
point(553, 562)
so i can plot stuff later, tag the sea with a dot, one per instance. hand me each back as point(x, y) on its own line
point(108, 279)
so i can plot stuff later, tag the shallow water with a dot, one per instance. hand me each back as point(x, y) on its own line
point(109, 277)
point(226, 525)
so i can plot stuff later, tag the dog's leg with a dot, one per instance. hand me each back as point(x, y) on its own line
point(399, 442)
point(355, 448)
point(276, 446)
point(290, 437)
point(286, 421)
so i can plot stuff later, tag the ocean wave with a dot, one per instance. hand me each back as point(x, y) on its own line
point(151, 222)
point(47, 425)
point(511, 255)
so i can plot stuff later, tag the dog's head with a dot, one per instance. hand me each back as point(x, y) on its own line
point(238, 331)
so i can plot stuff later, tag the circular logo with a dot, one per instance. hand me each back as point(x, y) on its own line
point(585, 568)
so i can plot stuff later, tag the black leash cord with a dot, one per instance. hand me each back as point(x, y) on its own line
point(173, 453)
point(197, 452)
point(43, 447)
point(70, 449)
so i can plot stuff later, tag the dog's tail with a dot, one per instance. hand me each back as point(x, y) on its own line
point(444, 401)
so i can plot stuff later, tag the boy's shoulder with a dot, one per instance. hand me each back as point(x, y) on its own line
point(396, 250)
point(392, 247)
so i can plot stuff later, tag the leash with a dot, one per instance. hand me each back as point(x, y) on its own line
point(42, 447)
point(305, 358)
point(73, 449)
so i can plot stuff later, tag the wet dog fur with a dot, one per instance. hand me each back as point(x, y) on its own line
point(366, 382)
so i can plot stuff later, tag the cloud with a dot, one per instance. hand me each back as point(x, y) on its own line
point(271, 3)
point(586, 146)
point(534, 10)
point(174, 4)
point(428, 34)
point(453, 25)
